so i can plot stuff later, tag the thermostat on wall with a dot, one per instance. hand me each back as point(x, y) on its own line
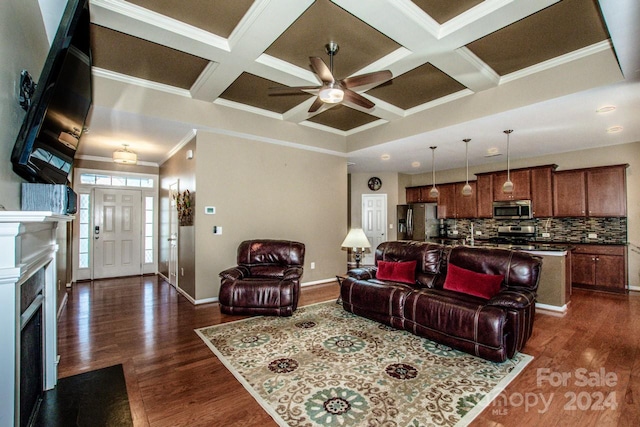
point(209, 210)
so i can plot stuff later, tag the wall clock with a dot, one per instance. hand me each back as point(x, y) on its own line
point(374, 183)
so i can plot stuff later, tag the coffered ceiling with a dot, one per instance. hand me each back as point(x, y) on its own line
point(439, 52)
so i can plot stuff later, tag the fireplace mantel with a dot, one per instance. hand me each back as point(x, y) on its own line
point(27, 245)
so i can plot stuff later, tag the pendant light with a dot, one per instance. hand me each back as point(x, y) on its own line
point(125, 156)
point(466, 190)
point(434, 193)
point(507, 187)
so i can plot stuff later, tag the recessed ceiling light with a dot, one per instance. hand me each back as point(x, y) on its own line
point(415, 164)
point(385, 157)
point(614, 129)
point(606, 109)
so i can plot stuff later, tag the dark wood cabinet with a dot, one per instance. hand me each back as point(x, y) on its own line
point(420, 194)
point(413, 194)
point(541, 191)
point(607, 191)
point(569, 193)
point(599, 267)
point(521, 179)
point(466, 206)
point(447, 201)
point(484, 197)
point(595, 192)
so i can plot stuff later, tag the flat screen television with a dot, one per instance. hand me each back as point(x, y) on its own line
point(48, 139)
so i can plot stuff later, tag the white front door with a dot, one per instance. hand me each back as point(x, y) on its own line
point(173, 235)
point(116, 233)
point(374, 223)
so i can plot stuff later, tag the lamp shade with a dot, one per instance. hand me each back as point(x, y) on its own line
point(124, 156)
point(356, 239)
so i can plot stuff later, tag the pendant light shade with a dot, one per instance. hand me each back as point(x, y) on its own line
point(466, 190)
point(434, 193)
point(125, 156)
point(507, 187)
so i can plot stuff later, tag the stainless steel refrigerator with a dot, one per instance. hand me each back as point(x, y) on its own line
point(417, 221)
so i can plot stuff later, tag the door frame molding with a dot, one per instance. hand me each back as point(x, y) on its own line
point(147, 268)
point(368, 257)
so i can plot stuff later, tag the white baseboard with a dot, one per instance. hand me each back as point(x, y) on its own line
point(634, 288)
point(554, 309)
point(317, 282)
point(196, 301)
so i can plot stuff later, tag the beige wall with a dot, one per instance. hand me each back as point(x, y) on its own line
point(182, 170)
point(617, 154)
point(23, 45)
point(270, 191)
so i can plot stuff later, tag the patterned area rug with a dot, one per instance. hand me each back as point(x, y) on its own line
point(327, 367)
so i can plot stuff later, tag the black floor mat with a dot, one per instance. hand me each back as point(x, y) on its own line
point(96, 398)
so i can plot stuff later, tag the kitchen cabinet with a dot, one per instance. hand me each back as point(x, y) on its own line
point(484, 197)
point(420, 195)
point(452, 204)
point(466, 206)
point(600, 267)
point(569, 193)
point(595, 192)
point(607, 191)
point(447, 201)
point(521, 179)
point(541, 191)
point(413, 194)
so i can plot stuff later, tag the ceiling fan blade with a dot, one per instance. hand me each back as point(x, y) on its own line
point(317, 103)
point(357, 99)
point(369, 79)
point(321, 69)
point(285, 90)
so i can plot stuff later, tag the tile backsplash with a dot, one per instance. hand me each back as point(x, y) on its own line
point(574, 230)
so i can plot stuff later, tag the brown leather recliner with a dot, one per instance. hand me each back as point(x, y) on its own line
point(266, 280)
point(494, 328)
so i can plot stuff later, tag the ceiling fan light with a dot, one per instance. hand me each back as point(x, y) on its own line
point(331, 95)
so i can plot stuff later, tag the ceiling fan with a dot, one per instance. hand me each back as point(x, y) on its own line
point(335, 91)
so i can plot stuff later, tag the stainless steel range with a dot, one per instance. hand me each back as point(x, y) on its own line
point(515, 237)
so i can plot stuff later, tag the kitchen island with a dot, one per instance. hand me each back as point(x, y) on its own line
point(554, 288)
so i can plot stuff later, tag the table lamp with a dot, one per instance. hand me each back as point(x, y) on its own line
point(357, 240)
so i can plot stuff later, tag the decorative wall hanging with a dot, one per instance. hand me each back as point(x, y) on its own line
point(185, 210)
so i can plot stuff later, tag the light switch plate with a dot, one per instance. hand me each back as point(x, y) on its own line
point(217, 229)
point(546, 234)
point(592, 236)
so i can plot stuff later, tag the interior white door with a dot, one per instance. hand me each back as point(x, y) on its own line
point(173, 235)
point(374, 223)
point(117, 233)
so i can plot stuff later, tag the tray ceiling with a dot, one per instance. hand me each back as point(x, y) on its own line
point(469, 68)
point(427, 65)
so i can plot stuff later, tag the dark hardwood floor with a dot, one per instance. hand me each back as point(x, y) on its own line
point(586, 369)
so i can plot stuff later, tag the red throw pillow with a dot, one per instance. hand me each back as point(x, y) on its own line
point(469, 282)
point(404, 272)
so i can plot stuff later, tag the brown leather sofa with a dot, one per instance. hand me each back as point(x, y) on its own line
point(494, 328)
point(266, 280)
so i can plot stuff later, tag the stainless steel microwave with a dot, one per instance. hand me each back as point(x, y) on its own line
point(513, 209)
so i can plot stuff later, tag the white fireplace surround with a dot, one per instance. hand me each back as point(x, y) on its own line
point(27, 244)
